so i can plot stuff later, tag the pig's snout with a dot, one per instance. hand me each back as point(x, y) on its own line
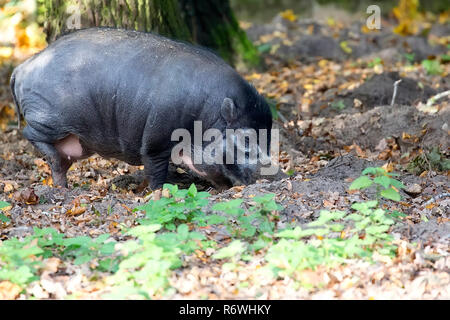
point(188, 161)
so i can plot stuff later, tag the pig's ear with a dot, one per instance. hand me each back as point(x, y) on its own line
point(228, 110)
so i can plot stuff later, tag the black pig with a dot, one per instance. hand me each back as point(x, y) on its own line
point(122, 93)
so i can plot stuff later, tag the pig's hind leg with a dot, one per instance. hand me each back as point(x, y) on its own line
point(58, 164)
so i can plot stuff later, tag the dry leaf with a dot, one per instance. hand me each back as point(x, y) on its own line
point(26, 196)
point(9, 290)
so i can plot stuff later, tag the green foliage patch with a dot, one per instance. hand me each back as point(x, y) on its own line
point(429, 160)
point(141, 266)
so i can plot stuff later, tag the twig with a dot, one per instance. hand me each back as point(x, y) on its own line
point(433, 99)
point(439, 196)
point(282, 117)
point(394, 95)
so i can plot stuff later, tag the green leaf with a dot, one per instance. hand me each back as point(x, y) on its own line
point(365, 207)
point(377, 229)
point(337, 227)
point(4, 204)
point(264, 48)
point(391, 194)
point(192, 191)
point(233, 249)
point(338, 105)
point(374, 171)
point(354, 217)
point(4, 218)
point(383, 181)
point(361, 183)
point(432, 67)
point(231, 207)
point(83, 259)
point(183, 231)
point(327, 216)
point(259, 244)
point(397, 214)
point(397, 184)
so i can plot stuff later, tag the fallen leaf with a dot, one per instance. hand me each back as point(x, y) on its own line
point(9, 290)
point(76, 211)
point(26, 196)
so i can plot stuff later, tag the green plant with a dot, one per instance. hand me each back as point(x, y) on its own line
point(254, 222)
point(235, 248)
point(183, 239)
point(84, 249)
point(181, 206)
point(264, 48)
point(3, 218)
point(338, 105)
point(337, 236)
point(429, 160)
point(445, 58)
point(386, 186)
point(410, 57)
point(375, 62)
point(432, 67)
point(19, 261)
point(330, 245)
point(273, 108)
point(146, 265)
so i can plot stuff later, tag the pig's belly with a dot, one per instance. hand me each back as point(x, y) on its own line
point(71, 148)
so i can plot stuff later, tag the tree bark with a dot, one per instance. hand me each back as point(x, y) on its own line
point(210, 23)
point(213, 24)
point(161, 16)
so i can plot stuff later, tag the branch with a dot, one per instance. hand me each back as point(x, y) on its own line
point(433, 99)
point(394, 95)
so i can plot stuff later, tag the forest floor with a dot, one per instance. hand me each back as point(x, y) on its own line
point(332, 84)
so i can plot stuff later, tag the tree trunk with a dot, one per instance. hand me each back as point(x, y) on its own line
point(210, 23)
point(160, 16)
point(213, 24)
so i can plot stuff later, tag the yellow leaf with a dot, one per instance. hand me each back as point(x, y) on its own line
point(389, 167)
point(406, 136)
point(289, 15)
point(331, 22)
point(423, 174)
point(48, 181)
point(180, 171)
point(254, 76)
point(430, 206)
point(323, 63)
point(9, 290)
point(345, 47)
point(407, 14)
point(6, 52)
point(8, 188)
point(76, 211)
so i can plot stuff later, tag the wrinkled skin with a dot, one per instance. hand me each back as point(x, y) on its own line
point(121, 94)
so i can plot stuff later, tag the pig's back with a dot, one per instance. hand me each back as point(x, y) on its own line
point(101, 82)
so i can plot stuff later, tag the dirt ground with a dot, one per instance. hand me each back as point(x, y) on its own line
point(325, 147)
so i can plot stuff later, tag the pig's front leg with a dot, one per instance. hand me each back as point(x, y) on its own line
point(156, 168)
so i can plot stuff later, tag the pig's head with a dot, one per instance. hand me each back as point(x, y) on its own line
point(240, 145)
